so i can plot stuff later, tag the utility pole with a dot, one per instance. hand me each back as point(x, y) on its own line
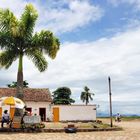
point(109, 81)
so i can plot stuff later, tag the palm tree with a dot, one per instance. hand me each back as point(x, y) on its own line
point(17, 39)
point(86, 95)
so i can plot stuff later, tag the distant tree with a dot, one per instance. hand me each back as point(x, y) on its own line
point(62, 96)
point(86, 95)
point(14, 84)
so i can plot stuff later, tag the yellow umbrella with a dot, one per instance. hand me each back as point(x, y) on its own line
point(12, 101)
point(9, 101)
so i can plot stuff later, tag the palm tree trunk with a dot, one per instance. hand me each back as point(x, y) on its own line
point(86, 99)
point(19, 93)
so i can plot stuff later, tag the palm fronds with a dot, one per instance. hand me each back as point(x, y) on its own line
point(86, 95)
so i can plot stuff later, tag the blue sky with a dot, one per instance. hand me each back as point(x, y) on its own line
point(98, 39)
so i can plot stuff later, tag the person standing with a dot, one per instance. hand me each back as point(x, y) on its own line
point(118, 117)
point(5, 118)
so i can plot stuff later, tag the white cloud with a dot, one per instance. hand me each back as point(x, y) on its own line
point(58, 15)
point(136, 3)
point(77, 14)
point(80, 64)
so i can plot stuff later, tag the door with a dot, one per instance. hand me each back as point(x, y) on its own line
point(56, 114)
point(42, 113)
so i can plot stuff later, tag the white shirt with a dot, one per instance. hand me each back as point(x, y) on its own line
point(118, 115)
point(6, 116)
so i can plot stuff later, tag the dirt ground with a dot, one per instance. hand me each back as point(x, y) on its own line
point(131, 132)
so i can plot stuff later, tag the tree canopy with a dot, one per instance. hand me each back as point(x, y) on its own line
point(62, 96)
point(14, 84)
point(17, 39)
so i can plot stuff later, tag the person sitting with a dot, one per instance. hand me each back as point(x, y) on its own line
point(5, 118)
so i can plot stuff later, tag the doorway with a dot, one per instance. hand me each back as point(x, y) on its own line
point(42, 113)
point(29, 109)
point(56, 114)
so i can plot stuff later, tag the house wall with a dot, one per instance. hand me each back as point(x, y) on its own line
point(36, 105)
point(76, 112)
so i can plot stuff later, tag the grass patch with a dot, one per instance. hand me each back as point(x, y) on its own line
point(125, 118)
point(88, 125)
point(130, 118)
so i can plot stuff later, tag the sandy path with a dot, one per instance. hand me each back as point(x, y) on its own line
point(131, 132)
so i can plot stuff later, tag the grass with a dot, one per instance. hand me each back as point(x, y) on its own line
point(130, 118)
point(89, 125)
point(123, 118)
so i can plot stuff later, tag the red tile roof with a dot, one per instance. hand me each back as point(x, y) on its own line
point(30, 94)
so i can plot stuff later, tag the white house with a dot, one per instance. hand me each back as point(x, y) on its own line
point(74, 112)
point(38, 101)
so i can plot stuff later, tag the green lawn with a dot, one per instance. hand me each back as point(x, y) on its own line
point(123, 118)
point(130, 118)
point(77, 124)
